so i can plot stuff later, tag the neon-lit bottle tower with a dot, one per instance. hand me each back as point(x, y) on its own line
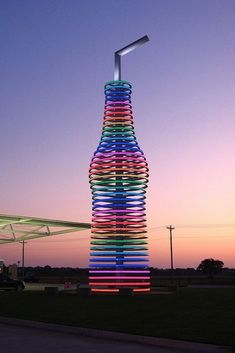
point(118, 179)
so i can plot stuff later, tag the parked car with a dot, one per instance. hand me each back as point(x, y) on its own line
point(7, 283)
point(30, 277)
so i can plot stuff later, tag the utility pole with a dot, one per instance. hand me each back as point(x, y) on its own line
point(171, 247)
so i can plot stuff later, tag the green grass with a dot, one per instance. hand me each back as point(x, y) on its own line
point(203, 315)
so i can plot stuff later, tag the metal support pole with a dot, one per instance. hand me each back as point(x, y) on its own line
point(23, 242)
point(23, 260)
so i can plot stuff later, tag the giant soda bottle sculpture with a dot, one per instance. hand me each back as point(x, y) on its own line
point(118, 180)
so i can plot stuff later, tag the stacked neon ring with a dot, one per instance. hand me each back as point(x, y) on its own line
point(118, 178)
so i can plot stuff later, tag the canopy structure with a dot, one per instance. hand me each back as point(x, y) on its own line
point(18, 228)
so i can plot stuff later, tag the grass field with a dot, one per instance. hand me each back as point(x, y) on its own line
point(202, 315)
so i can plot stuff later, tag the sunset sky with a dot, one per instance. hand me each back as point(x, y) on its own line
point(56, 57)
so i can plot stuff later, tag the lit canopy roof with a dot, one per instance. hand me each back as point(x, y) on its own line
point(17, 228)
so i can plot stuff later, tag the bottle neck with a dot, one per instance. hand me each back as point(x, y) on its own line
point(118, 108)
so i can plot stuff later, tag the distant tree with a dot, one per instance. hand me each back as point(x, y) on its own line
point(210, 267)
point(47, 267)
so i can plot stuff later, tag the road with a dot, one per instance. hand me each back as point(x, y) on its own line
point(15, 339)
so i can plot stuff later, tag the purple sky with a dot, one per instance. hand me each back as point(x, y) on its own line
point(55, 59)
